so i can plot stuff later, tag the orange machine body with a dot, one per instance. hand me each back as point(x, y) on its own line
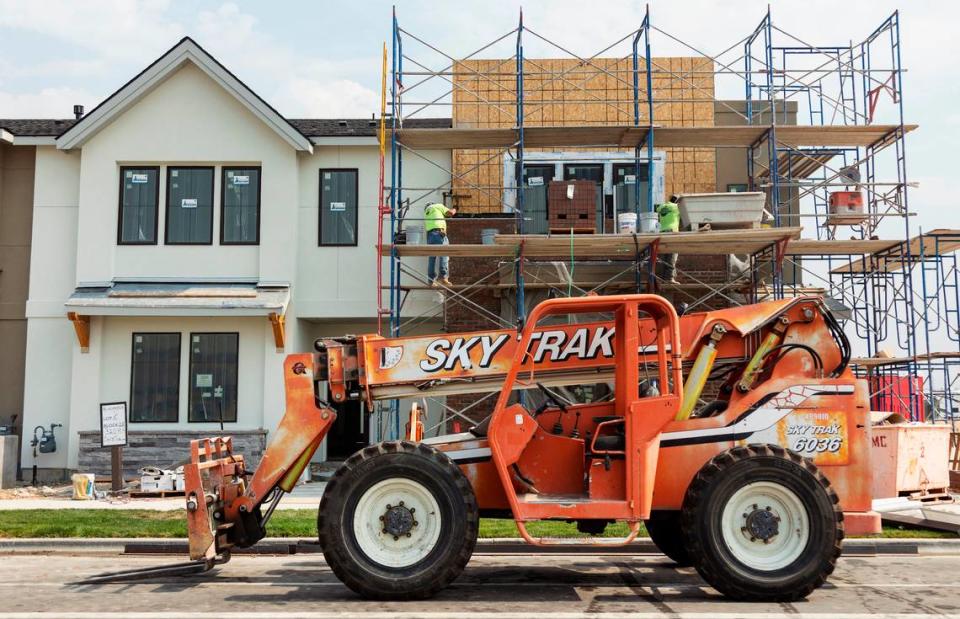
point(783, 379)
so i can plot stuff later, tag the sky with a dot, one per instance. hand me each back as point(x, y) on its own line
point(322, 59)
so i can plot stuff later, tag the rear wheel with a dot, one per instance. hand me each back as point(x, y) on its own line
point(761, 523)
point(398, 521)
point(665, 531)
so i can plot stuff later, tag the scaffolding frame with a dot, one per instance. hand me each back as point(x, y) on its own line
point(843, 87)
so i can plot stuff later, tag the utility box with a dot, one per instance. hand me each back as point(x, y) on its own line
point(743, 209)
point(846, 207)
point(908, 458)
point(8, 461)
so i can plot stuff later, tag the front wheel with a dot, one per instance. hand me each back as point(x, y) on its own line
point(761, 523)
point(398, 521)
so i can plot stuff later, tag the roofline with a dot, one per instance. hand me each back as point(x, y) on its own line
point(145, 81)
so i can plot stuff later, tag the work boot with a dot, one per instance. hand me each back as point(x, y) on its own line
point(445, 281)
point(435, 283)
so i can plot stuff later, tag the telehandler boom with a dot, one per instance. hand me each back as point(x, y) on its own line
point(752, 480)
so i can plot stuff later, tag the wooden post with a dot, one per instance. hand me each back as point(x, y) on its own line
point(116, 468)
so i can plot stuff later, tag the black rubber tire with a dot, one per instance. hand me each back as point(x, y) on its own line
point(703, 508)
point(458, 528)
point(666, 532)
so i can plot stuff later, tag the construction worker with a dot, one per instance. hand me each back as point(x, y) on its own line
point(435, 223)
point(669, 215)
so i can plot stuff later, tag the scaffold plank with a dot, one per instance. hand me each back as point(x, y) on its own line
point(873, 362)
point(853, 247)
point(611, 245)
point(631, 136)
point(939, 242)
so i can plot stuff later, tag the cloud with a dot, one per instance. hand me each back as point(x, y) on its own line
point(46, 103)
point(324, 99)
point(114, 29)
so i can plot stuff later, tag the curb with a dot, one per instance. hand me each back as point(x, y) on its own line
point(290, 546)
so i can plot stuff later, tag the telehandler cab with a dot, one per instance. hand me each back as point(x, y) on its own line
point(753, 485)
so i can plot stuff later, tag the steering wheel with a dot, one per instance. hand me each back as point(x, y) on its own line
point(549, 395)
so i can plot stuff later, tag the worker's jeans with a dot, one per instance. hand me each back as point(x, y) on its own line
point(437, 237)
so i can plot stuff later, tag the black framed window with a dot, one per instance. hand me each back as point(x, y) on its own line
point(240, 206)
point(139, 196)
point(213, 376)
point(155, 377)
point(338, 207)
point(189, 206)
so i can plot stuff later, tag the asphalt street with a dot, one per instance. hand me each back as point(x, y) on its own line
point(515, 585)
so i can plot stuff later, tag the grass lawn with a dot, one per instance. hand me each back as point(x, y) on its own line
point(285, 523)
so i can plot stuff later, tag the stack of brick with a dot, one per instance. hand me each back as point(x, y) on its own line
point(572, 208)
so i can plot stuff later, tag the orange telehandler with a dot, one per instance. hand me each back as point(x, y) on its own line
point(753, 485)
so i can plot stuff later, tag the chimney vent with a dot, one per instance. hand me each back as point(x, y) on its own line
point(78, 111)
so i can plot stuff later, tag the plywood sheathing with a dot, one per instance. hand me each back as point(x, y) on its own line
point(566, 92)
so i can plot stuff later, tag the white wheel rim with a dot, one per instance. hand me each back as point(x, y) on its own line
point(404, 549)
point(749, 534)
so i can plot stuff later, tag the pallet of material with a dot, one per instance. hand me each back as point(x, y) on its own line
point(158, 494)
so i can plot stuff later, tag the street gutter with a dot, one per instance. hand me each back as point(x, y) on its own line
point(509, 546)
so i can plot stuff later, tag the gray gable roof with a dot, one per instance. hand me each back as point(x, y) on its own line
point(343, 127)
point(36, 127)
point(310, 127)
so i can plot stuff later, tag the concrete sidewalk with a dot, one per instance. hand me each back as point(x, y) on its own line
point(304, 496)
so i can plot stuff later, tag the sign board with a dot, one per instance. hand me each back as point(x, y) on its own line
point(113, 424)
point(630, 179)
point(338, 206)
point(241, 180)
point(139, 179)
point(204, 380)
point(534, 181)
point(188, 203)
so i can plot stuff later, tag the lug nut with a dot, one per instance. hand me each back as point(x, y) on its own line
point(401, 503)
point(412, 510)
point(415, 523)
point(395, 538)
point(381, 518)
point(409, 534)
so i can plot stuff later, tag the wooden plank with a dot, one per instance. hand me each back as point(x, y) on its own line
point(629, 136)
point(808, 247)
point(892, 258)
point(610, 245)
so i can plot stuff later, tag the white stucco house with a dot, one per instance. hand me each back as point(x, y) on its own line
point(185, 237)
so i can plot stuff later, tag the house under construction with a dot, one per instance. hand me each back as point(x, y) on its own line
point(819, 134)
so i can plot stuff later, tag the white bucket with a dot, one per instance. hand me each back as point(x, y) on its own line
point(627, 223)
point(414, 235)
point(649, 223)
point(487, 235)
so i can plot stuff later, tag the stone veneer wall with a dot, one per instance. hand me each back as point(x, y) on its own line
point(166, 449)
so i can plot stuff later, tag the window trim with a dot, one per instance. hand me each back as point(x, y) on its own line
point(236, 335)
point(223, 201)
point(356, 213)
point(156, 215)
point(213, 206)
point(179, 358)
